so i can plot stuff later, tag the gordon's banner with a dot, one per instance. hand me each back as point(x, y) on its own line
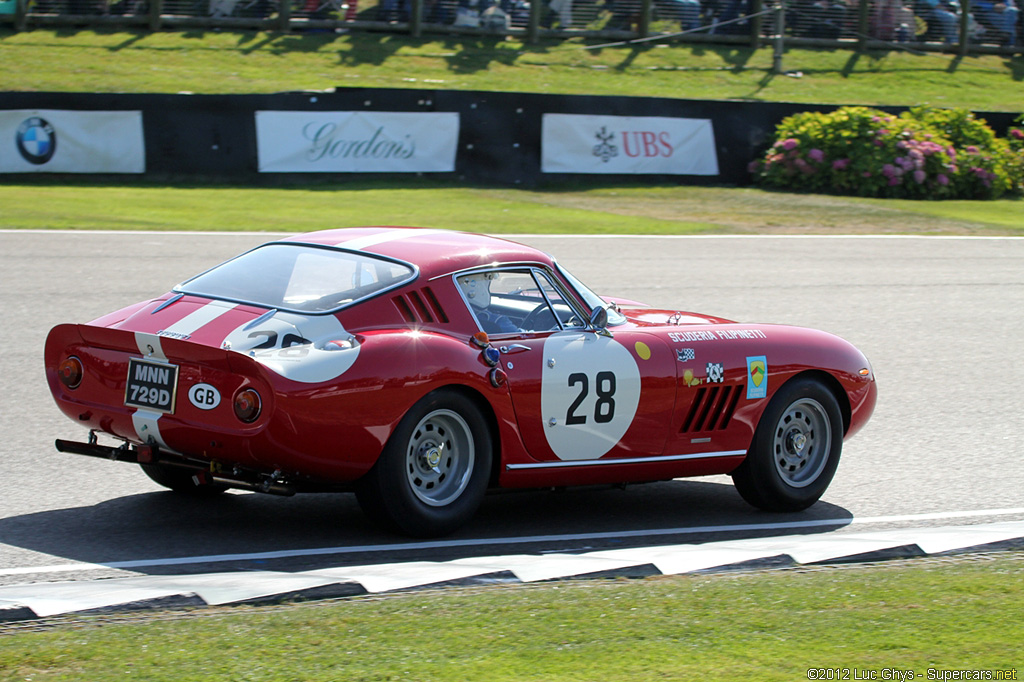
point(65, 141)
point(572, 143)
point(356, 141)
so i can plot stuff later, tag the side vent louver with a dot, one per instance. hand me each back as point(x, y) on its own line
point(404, 309)
point(712, 409)
point(435, 305)
point(422, 309)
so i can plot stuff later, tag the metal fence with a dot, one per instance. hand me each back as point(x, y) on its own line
point(964, 26)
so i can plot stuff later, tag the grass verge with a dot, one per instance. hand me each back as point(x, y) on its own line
point(79, 60)
point(965, 613)
point(602, 210)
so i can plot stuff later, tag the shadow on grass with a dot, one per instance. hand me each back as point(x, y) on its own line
point(129, 42)
point(1016, 66)
point(477, 53)
point(851, 65)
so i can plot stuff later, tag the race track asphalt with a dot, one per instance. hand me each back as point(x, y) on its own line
point(939, 318)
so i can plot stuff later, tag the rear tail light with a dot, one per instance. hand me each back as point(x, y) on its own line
point(247, 405)
point(70, 372)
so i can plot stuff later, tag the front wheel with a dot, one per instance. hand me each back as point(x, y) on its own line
point(433, 472)
point(795, 451)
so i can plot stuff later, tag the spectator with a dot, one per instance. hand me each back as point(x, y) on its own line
point(728, 10)
point(394, 10)
point(999, 20)
point(944, 22)
point(564, 10)
point(689, 14)
point(893, 21)
point(820, 18)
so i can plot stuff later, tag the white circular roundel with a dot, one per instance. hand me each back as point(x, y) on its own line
point(590, 389)
point(291, 345)
point(204, 396)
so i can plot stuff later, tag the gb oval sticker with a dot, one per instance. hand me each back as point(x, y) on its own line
point(204, 396)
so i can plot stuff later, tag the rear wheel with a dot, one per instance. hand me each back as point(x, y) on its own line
point(795, 451)
point(180, 480)
point(433, 472)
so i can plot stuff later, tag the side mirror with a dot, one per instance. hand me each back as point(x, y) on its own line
point(599, 321)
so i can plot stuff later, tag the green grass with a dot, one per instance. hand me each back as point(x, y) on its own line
point(942, 615)
point(603, 210)
point(251, 62)
point(768, 626)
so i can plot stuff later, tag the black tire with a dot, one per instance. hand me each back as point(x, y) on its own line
point(180, 480)
point(795, 451)
point(434, 470)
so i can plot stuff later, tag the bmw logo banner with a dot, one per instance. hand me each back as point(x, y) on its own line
point(64, 141)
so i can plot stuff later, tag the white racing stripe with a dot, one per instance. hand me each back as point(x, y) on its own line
point(500, 541)
point(630, 460)
point(199, 318)
point(386, 236)
point(147, 422)
point(149, 345)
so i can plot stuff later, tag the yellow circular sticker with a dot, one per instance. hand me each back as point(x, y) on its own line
point(642, 350)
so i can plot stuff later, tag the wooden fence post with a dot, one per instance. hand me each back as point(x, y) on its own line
point(965, 23)
point(646, 12)
point(284, 15)
point(757, 23)
point(863, 23)
point(537, 7)
point(156, 8)
point(20, 15)
point(416, 19)
point(778, 42)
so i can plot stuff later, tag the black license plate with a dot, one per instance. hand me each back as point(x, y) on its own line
point(151, 385)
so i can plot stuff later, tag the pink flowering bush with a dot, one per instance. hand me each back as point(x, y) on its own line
point(922, 154)
point(1015, 139)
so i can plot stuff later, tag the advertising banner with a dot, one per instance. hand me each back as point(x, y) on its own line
point(574, 143)
point(64, 141)
point(356, 141)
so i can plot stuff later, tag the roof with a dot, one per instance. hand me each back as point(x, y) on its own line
point(435, 252)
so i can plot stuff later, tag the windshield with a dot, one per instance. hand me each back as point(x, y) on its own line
point(591, 299)
point(299, 277)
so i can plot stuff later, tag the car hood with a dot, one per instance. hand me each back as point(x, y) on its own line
point(648, 317)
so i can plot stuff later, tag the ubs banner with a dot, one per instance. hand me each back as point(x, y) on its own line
point(356, 141)
point(572, 143)
point(64, 141)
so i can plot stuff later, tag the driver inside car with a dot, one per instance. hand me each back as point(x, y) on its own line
point(477, 289)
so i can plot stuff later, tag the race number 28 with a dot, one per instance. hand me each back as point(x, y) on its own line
point(604, 388)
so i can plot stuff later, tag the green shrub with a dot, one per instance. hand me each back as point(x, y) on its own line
point(924, 153)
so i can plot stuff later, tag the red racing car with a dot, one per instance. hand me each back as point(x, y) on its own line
point(418, 368)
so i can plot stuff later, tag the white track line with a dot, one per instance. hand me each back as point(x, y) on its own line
point(477, 542)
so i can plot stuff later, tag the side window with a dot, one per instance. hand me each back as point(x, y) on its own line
point(513, 301)
point(563, 311)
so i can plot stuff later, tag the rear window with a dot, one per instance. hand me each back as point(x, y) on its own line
point(299, 277)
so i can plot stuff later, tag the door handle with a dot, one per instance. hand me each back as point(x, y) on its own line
point(514, 348)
